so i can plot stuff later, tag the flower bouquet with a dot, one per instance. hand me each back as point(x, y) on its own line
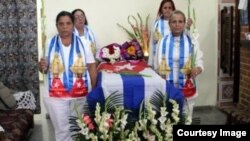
point(140, 31)
point(132, 51)
point(110, 53)
point(110, 121)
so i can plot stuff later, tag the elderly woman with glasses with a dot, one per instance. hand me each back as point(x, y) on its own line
point(82, 29)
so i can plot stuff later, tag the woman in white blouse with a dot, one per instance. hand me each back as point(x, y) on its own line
point(179, 59)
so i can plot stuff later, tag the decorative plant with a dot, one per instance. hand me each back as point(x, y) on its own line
point(195, 35)
point(140, 31)
point(43, 27)
point(110, 121)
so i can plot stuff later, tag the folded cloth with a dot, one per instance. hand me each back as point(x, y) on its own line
point(1, 129)
point(7, 100)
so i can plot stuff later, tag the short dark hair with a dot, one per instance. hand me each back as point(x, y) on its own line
point(161, 5)
point(64, 13)
point(74, 11)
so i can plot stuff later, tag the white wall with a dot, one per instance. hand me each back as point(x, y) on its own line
point(104, 14)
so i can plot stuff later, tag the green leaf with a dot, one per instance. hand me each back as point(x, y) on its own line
point(114, 100)
point(136, 29)
point(193, 61)
point(131, 35)
point(188, 8)
point(141, 23)
point(158, 100)
point(194, 17)
point(133, 73)
point(147, 19)
point(142, 111)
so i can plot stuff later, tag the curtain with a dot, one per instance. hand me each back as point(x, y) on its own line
point(18, 46)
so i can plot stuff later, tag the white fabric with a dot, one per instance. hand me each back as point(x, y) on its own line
point(59, 111)
point(243, 4)
point(153, 44)
point(109, 86)
point(154, 83)
point(60, 108)
point(88, 34)
point(1, 129)
point(25, 100)
point(66, 51)
point(176, 59)
point(188, 106)
point(112, 82)
point(158, 57)
point(89, 59)
point(86, 43)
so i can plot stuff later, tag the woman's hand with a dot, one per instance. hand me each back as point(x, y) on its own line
point(43, 65)
point(196, 71)
point(189, 23)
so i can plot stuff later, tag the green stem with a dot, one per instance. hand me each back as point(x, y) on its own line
point(188, 8)
point(194, 17)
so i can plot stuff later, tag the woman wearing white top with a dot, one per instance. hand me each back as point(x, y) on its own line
point(161, 27)
point(179, 59)
point(82, 29)
point(71, 74)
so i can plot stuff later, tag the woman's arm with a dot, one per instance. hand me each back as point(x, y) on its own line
point(93, 73)
point(198, 69)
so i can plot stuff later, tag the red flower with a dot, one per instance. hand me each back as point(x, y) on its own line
point(91, 126)
point(111, 50)
point(86, 119)
point(110, 122)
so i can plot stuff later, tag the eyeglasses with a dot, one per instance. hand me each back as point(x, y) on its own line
point(175, 22)
point(79, 17)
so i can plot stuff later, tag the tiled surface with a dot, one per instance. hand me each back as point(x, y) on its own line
point(210, 115)
point(43, 130)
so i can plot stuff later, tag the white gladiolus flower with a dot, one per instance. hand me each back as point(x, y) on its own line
point(162, 119)
point(164, 111)
point(124, 121)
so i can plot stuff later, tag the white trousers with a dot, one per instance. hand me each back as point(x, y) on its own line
point(59, 111)
point(188, 106)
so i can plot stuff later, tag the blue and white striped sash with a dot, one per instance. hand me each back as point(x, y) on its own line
point(166, 46)
point(88, 34)
point(162, 27)
point(77, 48)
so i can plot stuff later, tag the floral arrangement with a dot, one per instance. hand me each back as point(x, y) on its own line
point(110, 53)
point(132, 50)
point(194, 33)
point(111, 122)
point(140, 31)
